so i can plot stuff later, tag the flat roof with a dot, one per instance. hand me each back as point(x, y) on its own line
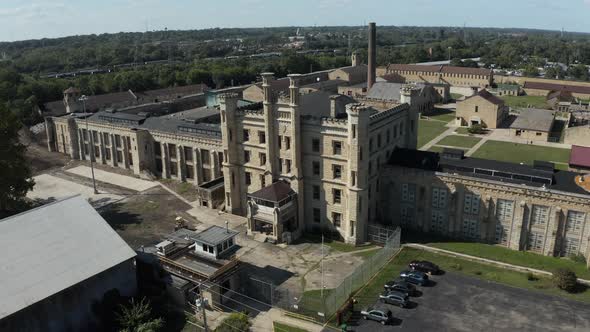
point(215, 235)
point(52, 248)
point(534, 119)
point(580, 156)
point(487, 169)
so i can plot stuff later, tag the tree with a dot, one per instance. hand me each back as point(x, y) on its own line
point(531, 71)
point(565, 279)
point(235, 322)
point(579, 72)
point(15, 177)
point(137, 317)
point(554, 72)
point(477, 129)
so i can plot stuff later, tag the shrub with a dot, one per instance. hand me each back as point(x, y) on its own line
point(531, 277)
point(565, 279)
point(578, 258)
point(476, 129)
point(235, 322)
point(477, 273)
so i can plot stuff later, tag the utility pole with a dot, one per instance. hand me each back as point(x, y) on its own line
point(200, 302)
point(322, 268)
point(83, 99)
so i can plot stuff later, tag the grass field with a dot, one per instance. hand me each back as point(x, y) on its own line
point(462, 130)
point(428, 130)
point(367, 295)
point(333, 244)
point(439, 149)
point(522, 153)
point(525, 101)
point(280, 327)
point(442, 115)
point(459, 141)
point(522, 258)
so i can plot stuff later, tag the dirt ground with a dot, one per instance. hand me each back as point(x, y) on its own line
point(146, 218)
point(41, 159)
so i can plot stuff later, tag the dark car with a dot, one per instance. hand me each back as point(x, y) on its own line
point(382, 316)
point(424, 266)
point(395, 298)
point(400, 285)
point(415, 277)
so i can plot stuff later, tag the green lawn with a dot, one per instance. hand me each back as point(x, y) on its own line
point(522, 153)
point(456, 96)
point(367, 295)
point(428, 130)
point(442, 115)
point(459, 141)
point(525, 101)
point(522, 258)
point(462, 130)
point(280, 327)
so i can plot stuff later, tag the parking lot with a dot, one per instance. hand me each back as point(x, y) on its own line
point(460, 303)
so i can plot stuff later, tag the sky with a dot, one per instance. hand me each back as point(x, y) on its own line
point(36, 19)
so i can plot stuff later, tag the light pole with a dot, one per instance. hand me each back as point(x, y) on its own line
point(83, 99)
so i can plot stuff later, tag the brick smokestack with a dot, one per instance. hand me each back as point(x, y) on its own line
point(371, 74)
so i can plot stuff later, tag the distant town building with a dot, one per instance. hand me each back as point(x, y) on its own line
point(58, 261)
point(533, 88)
point(482, 108)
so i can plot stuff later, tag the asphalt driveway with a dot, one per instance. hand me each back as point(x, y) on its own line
point(461, 303)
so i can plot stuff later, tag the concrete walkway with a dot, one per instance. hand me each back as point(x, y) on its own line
point(503, 134)
point(438, 138)
point(486, 261)
point(477, 146)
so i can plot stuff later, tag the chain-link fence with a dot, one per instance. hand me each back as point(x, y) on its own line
point(322, 305)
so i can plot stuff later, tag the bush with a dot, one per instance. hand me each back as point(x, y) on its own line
point(565, 279)
point(531, 277)
point(578, 258)
point(477, 273)
point(476, 129)
point(236, 322)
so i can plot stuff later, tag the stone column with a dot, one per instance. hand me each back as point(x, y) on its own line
point(516, 228)
point(125, 151)
point(165, 161)
point(81, 144)
point(198, 166)
point(551, 232)
point(180, 160)
point(113, 151)
point(215, 170)
point(102, 147)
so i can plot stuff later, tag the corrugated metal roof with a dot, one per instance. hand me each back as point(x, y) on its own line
point(53, 247)
point(385, 91)
point(534, 119)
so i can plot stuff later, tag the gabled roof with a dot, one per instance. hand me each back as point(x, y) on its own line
point(557, 87)
point(440, 69)
point(54, 247)
point(534, 119)
point(485, 94)
point(385, 91)
point(580, 156)
point(275, 192)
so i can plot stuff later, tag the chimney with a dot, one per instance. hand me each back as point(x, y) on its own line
point(372, 55)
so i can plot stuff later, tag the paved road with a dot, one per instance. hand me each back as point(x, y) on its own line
point(461, 303)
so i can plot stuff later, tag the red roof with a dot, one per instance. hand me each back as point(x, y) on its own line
point(557, 87)
point(580, 156)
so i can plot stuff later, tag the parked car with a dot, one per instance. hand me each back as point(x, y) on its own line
point(382, 316)
point(395, 298)
point(424, 266)
point(400, 285)
point(415, 277)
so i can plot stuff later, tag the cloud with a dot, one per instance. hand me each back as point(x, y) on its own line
point(33, 11)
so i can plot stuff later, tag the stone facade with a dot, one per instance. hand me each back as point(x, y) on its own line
point(480, 110)
point(454, 76)
point(520, 217)
point(331, 160)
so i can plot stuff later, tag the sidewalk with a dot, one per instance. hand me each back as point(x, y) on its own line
point(486, 261)
point(438, 138)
